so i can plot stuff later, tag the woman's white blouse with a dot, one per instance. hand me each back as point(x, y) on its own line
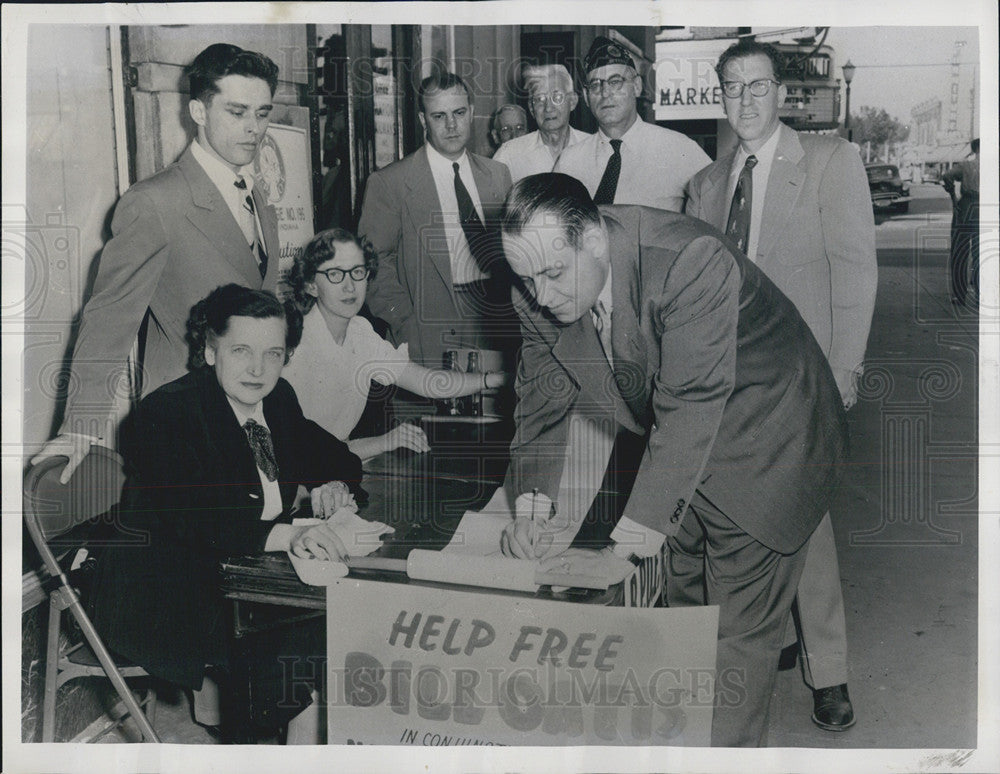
point(332, 380)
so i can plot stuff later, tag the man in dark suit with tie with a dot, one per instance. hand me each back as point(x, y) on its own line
point(189, 228)
point(743, 424)
point(798, 205)
point(442, 283)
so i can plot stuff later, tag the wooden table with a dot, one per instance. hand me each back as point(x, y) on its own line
point(423, 496)
point(424, 513)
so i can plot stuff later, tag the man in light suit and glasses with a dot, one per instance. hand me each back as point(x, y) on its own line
point(798, 206)
point(186, 230)
point(652, 321)
point(442, 282)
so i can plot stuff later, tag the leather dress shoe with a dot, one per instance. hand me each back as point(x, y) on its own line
point(789, 657)
point(832, 708)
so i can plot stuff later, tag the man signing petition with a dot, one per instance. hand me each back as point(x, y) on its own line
point(650, 320)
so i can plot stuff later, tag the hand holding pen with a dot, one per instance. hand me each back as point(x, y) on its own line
point(529, 535)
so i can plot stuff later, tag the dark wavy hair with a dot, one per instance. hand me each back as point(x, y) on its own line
point(749, 47)
point(222, 59)
point(559, 195)
point(209, 318)
point(322, 248)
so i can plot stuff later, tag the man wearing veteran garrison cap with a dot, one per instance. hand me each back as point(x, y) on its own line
point(628, 161)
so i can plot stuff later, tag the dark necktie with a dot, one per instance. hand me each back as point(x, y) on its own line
point(476, 234)
point(738, 226)
point(262, 448)
point(609, 182)
point(256, 244)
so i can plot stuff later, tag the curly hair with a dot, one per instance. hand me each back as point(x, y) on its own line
point(209, 318)
point(322, 248)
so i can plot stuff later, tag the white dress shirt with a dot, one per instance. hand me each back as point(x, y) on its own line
point(656, 165)
point(225, 180)
point(332, 380)
point(761, 172)
point(529, 155)
point(464, 268)
point(272, 491)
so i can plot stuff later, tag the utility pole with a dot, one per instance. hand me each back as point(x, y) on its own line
point(972, 105)
point(956, 71)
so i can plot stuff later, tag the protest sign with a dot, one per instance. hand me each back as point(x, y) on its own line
point(435, 666)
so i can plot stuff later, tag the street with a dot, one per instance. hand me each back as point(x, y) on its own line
point(906, 517)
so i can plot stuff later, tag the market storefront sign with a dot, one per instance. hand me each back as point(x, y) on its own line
point(414, 665)
point(686, 84)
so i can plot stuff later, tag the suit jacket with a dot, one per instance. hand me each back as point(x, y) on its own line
point(712, 361)
point(174, 241)
point(817, 236)
point(193, 497)
point(413, 290)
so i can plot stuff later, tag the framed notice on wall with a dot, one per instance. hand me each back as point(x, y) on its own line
point(423, 666)
point(282, 175)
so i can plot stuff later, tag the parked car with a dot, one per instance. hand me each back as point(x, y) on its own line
point(888, 190)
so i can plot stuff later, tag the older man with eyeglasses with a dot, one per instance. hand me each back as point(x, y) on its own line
point(551, 99)
point(628, 161)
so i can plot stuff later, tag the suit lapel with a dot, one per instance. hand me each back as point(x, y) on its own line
point(211, 215)
point(284, 447)
point(227, 435)
point(627, 346)
point(784, 185)
point(424, 210)
point(489, 196)
point(715, 199)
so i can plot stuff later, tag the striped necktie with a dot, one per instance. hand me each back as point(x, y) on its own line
point(248, 224)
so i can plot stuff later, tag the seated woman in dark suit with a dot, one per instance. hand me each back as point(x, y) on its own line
point(214, 460)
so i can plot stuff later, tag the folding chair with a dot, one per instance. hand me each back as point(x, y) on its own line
point(51, 510)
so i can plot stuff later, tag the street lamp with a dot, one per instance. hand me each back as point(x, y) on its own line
point(848, 77)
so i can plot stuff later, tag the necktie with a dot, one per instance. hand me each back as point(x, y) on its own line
point(248, 223)
point(475, 232)
point(602, 322)
point(738, 226)
point(609, 182)
point(262, 448)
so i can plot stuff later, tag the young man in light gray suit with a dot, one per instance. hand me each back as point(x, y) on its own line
point(442, 282)
point(177, 235)
point(806, 220)
point(632, 318)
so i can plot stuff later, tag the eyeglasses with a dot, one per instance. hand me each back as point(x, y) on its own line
point(615, 84)
point(555, 97)
point(758, 88)
point(336, 276)
point(512, 129)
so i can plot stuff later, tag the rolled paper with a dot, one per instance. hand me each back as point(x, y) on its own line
point(495, 572)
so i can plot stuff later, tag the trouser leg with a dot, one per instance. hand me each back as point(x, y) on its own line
point(685, 581)
point(821, 622)
point(754, 587)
